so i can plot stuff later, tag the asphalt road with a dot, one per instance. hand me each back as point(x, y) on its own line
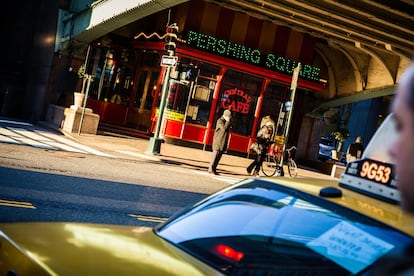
point(47, 185)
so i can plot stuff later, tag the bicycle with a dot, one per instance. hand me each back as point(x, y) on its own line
point(271, 163)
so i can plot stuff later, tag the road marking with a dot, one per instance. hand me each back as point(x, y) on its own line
point(74, 144)
point(10, 132)
point(43, 139)
point(148, 218)
point(15, 122)
point(143, 156)
point(18, 204)
point(223, 178)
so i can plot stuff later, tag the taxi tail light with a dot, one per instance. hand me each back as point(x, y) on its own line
point(228, 252)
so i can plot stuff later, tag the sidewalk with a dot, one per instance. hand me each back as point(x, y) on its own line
point(121, 146)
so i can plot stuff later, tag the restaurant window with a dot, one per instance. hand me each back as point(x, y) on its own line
point(149, 71)
point(239, 93)
point(113, 78)
point(274, 99)
point(202, 94)
point(191, 90)
point(177, 95)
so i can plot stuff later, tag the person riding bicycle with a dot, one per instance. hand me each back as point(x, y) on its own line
point(263, 140)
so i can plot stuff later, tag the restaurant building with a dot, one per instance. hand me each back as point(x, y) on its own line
point(226, 60)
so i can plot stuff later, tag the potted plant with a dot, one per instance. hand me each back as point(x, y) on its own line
point(78, 97)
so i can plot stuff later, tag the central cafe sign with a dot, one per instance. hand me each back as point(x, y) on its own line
point(229, 101)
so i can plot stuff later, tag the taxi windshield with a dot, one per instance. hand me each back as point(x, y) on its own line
point(377, 148)
point(263, 227)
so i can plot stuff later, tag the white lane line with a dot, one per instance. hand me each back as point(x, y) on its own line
point(223, 178)
point(11, 133)
point(140, 155)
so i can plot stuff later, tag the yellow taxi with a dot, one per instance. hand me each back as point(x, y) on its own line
point(260, 226)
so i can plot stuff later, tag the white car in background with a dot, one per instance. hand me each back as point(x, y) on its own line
point(326, 145)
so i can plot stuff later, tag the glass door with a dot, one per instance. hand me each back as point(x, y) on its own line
point(146, 91)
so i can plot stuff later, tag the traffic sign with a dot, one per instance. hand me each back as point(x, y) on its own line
point(169, 61)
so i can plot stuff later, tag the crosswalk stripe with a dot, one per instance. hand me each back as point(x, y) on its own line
point(51, 140)
point(43, 139)
point(11, 133)
point(78, 146)
point(6, 139)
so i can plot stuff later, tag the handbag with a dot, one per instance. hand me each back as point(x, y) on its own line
point(256, 148)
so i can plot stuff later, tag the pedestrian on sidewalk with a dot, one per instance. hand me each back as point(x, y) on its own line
point(263, 140)
point(354, 151)
point(220, 138)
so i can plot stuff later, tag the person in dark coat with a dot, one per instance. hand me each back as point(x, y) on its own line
point(402, 152)
point(221, 135)
point(354, 151)
point(263, 139)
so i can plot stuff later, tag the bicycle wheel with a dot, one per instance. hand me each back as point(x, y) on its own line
point(292, 167)
point(269, 165)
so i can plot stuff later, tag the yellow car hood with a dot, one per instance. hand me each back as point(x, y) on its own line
point(89, 249)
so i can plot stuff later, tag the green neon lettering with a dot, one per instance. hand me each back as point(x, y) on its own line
point(280, 64)
point(306, 71)
point(221, 49)
point(290, 66)
point(256, 54)
point(245, 53)
point(270, 61)
point(201, 41)
point(315, 73)
point(252, 56)
point(211, 44)
point(192, 36)
point(232, 50)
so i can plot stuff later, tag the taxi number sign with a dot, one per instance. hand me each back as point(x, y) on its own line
point(376, 172)
point(381, 173)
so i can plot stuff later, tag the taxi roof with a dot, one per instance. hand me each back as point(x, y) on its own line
point(377, 148)
point(388, 213)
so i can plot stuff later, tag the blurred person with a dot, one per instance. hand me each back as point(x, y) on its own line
point(354, 151)
point(263, 140)
point(402, 152)
point(220, 138)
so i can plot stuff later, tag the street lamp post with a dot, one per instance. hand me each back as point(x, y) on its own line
point(154, 145)
point(290, 105)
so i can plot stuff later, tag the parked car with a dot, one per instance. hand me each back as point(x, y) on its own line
point(326, 145)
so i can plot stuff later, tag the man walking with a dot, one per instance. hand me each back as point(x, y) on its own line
point(220, 140)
